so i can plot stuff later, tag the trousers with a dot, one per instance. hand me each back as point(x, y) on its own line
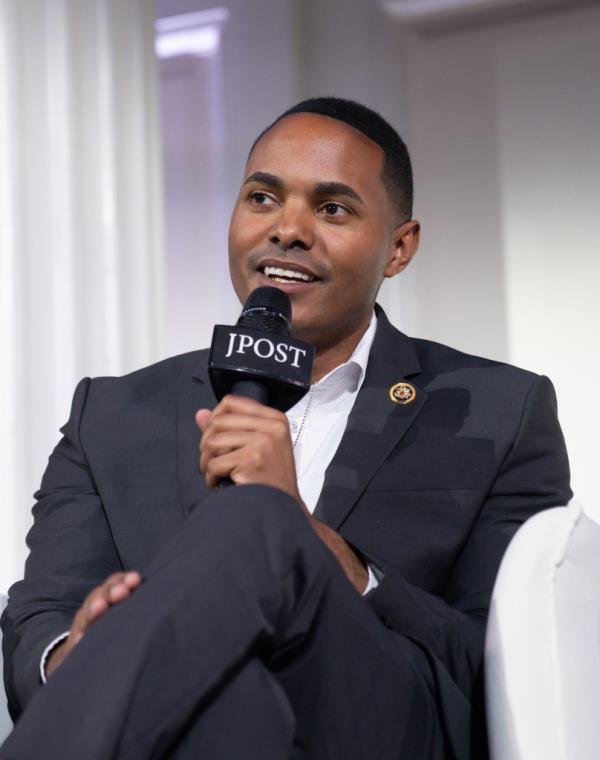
point(244, 641)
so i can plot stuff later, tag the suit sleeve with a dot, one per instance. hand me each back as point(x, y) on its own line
point(71, 551)
point(533, 476)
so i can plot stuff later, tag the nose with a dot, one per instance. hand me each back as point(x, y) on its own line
point(293, 227)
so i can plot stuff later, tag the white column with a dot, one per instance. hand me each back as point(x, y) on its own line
point(198, 290)
point(81, 250)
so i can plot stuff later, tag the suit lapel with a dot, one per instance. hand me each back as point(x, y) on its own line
point(375, 425)
point(195, 393)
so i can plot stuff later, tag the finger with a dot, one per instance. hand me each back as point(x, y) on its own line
point(202, 418)
point(75, 640)
point(80, 622)
point(218, 443)
point(97, 606)
point(277, 426)
point(86, 614)
point(110, 581)
point(132, 578)
point(222, 467)
point(235, 465)
point(116, 587)
point(103, 593)
point(120, 587)
point(118, 592)
point(232, 404)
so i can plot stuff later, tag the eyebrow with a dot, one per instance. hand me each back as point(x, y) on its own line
point(321, 188)
point(264, 178)
point(337, 188)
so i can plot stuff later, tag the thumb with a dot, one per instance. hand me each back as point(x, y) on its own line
point(202, 418)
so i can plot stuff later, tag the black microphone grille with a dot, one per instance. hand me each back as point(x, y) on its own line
point(267, 309)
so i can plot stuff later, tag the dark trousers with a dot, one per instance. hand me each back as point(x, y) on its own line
point(245, 641)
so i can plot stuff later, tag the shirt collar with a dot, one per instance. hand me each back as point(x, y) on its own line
point(350, 375)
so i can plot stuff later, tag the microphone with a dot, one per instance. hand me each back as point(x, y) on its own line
point(257, 358)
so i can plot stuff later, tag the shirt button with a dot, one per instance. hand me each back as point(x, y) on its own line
point(293, 426)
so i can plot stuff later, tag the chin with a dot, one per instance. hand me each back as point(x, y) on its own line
point(309, 332)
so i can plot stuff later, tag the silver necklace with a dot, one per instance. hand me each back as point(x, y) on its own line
point(304, 418)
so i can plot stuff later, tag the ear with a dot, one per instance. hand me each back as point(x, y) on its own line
point(405, 244)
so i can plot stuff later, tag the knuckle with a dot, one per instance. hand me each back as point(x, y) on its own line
point(226, 403)
point(105, 591)
point(212, 427)
point(210, 446)
point(209, 432)
point(113, 579)
point(258, 458)
point(94, 594)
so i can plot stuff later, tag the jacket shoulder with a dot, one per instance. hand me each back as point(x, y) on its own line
point(438, 359)
point(157, 377)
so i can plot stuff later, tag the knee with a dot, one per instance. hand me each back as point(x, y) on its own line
point(257, 510)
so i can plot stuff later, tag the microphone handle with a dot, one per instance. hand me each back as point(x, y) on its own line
point(251, 389)
point(247, 389)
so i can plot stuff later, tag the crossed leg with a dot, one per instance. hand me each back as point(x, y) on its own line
point(245, 640)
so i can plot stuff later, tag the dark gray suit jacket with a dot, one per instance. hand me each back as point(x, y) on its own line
point(431, 492)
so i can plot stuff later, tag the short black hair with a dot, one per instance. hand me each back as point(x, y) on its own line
point(396, 175)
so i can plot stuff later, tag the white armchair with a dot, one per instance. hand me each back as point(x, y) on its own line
point(543, 642)
point(5, 721)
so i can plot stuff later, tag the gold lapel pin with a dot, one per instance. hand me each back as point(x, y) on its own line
point(403, 393)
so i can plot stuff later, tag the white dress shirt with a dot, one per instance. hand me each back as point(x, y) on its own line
point(317, 424)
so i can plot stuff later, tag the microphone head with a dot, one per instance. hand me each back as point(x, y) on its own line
point(267, 309)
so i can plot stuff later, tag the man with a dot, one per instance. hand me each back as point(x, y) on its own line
point(333, 603)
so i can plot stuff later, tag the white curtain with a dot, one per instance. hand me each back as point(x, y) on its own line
point(81, 249)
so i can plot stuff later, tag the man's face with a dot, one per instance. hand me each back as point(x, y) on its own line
point(314, 219)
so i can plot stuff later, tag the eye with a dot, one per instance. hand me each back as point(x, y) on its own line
point(331, 209)
point(260, 198)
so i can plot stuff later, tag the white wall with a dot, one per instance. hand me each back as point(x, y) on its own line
point(505, 130)
point(549, 149)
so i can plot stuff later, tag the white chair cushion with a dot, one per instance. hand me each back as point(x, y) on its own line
point(543, 642)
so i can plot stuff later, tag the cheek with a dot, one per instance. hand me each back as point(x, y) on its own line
point(359, 261)
point(246, 233)
point(236, 228)
point(237, 247)
point(240, 234)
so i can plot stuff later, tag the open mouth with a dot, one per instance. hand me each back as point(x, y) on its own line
point(279, 274)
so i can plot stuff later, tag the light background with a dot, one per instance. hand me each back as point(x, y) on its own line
point(111, 258)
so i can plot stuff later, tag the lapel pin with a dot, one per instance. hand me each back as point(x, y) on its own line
point(403, 393)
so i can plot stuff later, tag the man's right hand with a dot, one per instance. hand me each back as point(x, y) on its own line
point(115, 589)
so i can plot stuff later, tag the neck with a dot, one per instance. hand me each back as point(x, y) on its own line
point(330, 355)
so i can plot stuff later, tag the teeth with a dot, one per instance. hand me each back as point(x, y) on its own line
point(276, 273)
